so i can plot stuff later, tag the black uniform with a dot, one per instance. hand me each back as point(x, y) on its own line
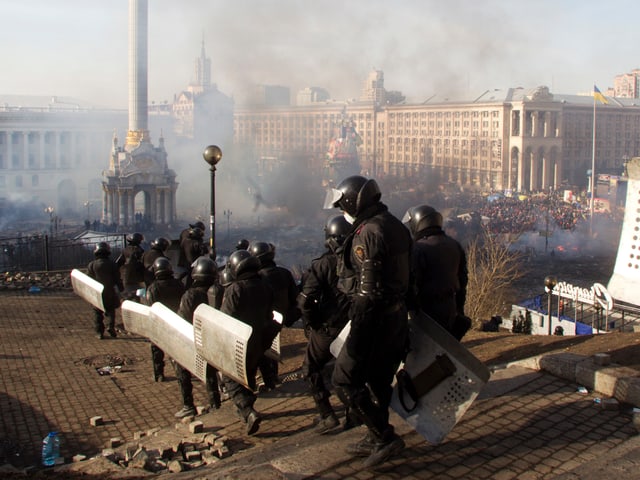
point(374, 273)
point(105, 270)
point(132, 268)
point(250, 300)
point(193, 297)
point(148, 258)
point(324, 310)
point(439, 268)
point(167, 290)
point(285, 294)
point(191, 248)
point(182, 260)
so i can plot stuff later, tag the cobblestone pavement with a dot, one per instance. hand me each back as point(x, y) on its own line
point(525, 424)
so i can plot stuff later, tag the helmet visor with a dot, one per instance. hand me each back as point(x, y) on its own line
point(407, 216)
point(332, 198)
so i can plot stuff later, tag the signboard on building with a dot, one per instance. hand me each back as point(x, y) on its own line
point(596, 295)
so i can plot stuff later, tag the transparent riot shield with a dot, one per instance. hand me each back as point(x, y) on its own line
point(166, 329)
point(274, 351)
point(438, 381)
point(87, 288)
point(222, 340)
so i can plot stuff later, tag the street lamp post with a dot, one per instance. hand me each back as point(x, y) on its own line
point(88, 204)
point(550, 283)
point(212, 155)
point(49, 210)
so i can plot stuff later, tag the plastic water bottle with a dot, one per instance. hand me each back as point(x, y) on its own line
point(50, 449)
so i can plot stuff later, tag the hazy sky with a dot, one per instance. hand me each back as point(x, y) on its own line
point(455, 47)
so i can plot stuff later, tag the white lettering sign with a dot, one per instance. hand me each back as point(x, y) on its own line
point(598, 293)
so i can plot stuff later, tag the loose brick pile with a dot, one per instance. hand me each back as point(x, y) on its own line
point(58, 280)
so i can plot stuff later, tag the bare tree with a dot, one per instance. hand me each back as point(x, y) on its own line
point(492, 269)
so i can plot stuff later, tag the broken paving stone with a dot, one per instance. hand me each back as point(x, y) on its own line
point(78, 458)
point(223, 452)
point(109, 453)
point(140, 459)
point(175, 466)
point(153, 431)
point(196, 427)
point(96, 421)
point(220, 442)
point(139, 435)
point(209, 457)
point(195, 464)
point(115, 442)
point(130, 451)
point(193, 456)
point(202, 409)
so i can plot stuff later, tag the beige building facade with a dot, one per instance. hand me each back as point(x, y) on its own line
point(52, 151)
point(516, 139)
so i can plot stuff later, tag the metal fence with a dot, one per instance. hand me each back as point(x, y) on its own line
point(45, 253)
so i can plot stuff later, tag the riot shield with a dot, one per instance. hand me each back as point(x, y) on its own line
point(438, 381)
point(135, 317)
point(274, 351)
point(222, 341)
point(166, 329)
point(87, 288)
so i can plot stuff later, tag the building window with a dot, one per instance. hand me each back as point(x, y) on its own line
point(34, 180)
point(19, 181)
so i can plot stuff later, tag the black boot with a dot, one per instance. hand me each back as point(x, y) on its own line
point(390, 445)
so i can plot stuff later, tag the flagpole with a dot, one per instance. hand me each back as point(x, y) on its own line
point(593, 167)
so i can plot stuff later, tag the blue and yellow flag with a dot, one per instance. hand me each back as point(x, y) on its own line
point(597, 95)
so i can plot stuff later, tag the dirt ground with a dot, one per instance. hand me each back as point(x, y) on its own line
point(495, 348)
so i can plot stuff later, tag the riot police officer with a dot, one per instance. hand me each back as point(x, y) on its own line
point(106, 271)
point(324, 313)
point(249, 299)
point(374, 272)
point(285, 293)
point(204, 275)
point(167, 290)
point(131, 266)
point(439, 269)
point(191, 248)
point(156, 250)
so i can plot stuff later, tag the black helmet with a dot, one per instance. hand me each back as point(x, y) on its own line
point(420, 217)
point(162, 267)
point(263, 251)
point(241, 261)
point(102, 249)
point(199, 225)
point(135, 239)
point(160, 243)
point(196, 232)
point(242, 244)
point(353, 195)
point(335, 231)
point(225, 277)
point(204, 269)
